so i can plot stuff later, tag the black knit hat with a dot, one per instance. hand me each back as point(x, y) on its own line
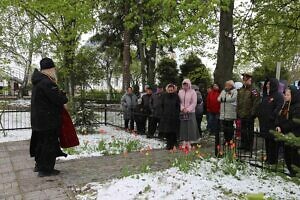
point(46, 63)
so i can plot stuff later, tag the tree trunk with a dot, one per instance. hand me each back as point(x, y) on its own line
point(151, 57)
point(141, 48)
point(126, 54)
point(68, 64)
point(109, 73)
point(28, 69)
point(226, 49)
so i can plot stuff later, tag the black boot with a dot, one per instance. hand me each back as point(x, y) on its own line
point(53, 172)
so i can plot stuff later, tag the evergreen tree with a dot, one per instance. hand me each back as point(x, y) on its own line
point(195, 70)
point(167, 71)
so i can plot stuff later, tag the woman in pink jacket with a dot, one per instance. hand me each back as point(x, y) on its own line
point(188, 123)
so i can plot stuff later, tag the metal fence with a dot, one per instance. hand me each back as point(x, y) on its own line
point(16, 118)
point(256, 155)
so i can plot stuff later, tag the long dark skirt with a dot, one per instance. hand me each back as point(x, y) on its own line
point(292, 157)
point(189, 128)
point(44, 146)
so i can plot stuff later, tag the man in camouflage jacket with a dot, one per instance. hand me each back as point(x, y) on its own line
point(248, 100)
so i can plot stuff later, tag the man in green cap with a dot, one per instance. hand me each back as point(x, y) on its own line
point(248, 100)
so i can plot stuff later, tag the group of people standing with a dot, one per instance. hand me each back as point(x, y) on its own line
point(172, 113)
point(177, 115)
point(274, 109)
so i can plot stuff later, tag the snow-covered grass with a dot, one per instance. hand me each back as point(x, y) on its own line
point(16, 135)
point(107, 141)
point(111, 141)
point(20, 103)
point(202, 182)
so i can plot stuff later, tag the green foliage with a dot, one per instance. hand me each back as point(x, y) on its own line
point(116, 146)
point(185, 161)
point(132, 145)
point(146, 165)
point(87, 69)
point(101, 146)
point(289, 139)
point(62, 23)
point(71, 151)
point(125, 172)
point(103, 95)
point(167, 71)
point(269, 70)
point(274, 39)
point(84, 118)
point(229, 163)
point(259, 196)
point(195, 70)
point(190, 64)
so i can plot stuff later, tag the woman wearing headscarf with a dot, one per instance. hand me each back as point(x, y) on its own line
point(228, 98)
point(188, 124)
point(286, 124)
point(199, 108)
point(271, 103)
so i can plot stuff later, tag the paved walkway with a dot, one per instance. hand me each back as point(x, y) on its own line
point(18, 181)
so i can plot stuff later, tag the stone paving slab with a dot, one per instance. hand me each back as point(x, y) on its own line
point(18, 181)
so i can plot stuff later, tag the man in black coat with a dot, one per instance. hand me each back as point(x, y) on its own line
point(146, 110)
point(47, 102)
point(155, 107)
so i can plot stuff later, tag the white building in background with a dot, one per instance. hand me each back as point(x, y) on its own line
point(3, 85)
point(116, 83)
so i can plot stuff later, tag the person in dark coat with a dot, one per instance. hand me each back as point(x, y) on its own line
point(47, 102)
point(199, 108)
point(271, 103)
point(285, 124)
point(155, 107)
point(146, 109)
point(138, 118)
point(170, 121)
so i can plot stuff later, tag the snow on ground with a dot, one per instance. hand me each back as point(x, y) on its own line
point(110, 140)
point(16, 135)
point(200, 183)
point(20, 103)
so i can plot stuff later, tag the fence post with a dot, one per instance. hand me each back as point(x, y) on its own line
point(105, 114)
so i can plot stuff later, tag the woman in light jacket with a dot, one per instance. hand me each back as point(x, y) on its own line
point(228, 99)
point(188, 123)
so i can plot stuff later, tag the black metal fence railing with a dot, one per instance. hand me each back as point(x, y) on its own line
point(15, 118)
point(256, 155)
